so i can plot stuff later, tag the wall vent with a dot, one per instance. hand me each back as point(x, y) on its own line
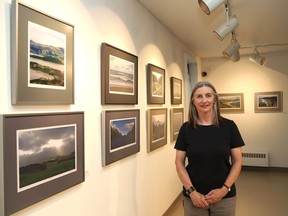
point(256, 159)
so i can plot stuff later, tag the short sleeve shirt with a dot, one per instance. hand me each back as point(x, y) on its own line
point(208, 149)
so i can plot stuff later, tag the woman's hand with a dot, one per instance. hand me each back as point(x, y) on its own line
point(216, 195)
point(198, 199)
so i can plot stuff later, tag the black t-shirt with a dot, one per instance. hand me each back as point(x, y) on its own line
point(208, 149)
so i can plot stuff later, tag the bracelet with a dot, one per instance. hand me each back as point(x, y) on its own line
point(228, 188)
point(190, 190)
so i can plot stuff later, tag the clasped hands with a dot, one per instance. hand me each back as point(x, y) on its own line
point(203, 201)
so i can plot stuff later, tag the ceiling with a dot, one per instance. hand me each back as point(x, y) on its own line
point(262, 23)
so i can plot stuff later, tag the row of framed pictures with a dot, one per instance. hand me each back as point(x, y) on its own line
point(43, 65)
point(264, 102)
point(43, 153)
point(121, 131)
point(119, 79)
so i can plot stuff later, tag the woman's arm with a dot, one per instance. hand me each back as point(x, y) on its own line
point(197, 198)
point(236, 156)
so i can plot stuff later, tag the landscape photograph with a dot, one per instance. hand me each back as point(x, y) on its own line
point(45, 154)
point(121, 76)
point(122, 133)
point(177, 119)
point(158, 127)
point(177, 90)
point(230, 102)
point(266, 101)
point(157, 84)
point(46, 57)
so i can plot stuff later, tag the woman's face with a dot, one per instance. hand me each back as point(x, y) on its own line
point(204, 99)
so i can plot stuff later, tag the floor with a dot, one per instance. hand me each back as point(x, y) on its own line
point(260, 192)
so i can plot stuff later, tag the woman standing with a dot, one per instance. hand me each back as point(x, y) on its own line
point(212, 145)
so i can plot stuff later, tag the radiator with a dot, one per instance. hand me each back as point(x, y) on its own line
point(256, 159)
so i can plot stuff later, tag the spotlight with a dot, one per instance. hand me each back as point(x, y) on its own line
point(209, 5)
point(235, 57)
point(256, 58)
point(231, 49)
point(222, 31)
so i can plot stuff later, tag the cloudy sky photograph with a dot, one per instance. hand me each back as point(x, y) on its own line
point(41, 144)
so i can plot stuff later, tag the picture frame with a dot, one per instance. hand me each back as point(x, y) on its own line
point(176, 121)
point(157, 128)
point(155, 84)
point(266, 102)
point(119, 76)
point(121, 134)
point(231, 102)
point(42, 58)
point(43, 154)
point(176, 90)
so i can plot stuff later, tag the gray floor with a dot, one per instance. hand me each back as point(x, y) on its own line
point(261, 192)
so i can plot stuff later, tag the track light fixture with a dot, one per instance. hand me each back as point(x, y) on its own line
point(231, 49)
point(235, 57)
point(226, 28)
point(256, 58)
point(209, 5)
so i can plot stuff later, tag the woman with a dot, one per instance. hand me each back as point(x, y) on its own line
point(210, 142)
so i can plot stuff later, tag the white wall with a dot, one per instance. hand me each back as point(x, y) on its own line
point(142, 184)
point(261, 131)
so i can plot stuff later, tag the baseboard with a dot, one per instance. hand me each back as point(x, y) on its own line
point(179, 197)
point(270, 169)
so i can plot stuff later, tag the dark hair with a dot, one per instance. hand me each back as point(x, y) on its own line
point(193, 114)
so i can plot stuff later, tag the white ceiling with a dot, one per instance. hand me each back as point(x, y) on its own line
point(262, 23)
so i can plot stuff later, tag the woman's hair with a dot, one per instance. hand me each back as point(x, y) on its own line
point(193, 114)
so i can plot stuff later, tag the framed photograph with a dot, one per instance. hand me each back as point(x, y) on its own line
point(231, 102)
point(42, 58)
point(176, 121)
point(155, 85)
point(121, 134)
point(176, 91)
point(268, 101)
point(43, 155)
point(119, 76)
point(157, 128)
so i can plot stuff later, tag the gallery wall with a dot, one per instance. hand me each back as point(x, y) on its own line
point(141, 184)
point(262, 132)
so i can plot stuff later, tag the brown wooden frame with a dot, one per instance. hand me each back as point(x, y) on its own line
point(111, 94)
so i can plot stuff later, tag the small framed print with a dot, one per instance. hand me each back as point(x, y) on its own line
point(121, 134)
point(157, 128)
point(155, 85)
point(231, 102)
point(268, 101)
point(119, 76)
point(43, 154)
point(176, 91)
point(176, 121)
point(42, 58)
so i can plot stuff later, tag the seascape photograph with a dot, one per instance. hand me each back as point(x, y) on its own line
point(46, 58)
point(230, 102)
point(44, 154)
point(121, 76)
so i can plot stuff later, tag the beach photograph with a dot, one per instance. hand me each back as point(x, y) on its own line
point(121, 76)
